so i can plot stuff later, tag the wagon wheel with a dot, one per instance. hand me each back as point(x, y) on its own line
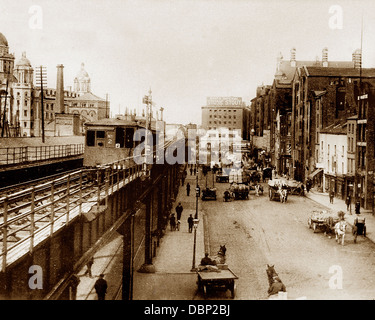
point(270, 194)
point(233, 290)
point(199, 284)
point(205, 291)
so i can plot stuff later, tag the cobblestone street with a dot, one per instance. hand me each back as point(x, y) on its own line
point(258, 232)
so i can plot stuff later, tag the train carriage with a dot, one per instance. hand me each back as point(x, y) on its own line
point(111, 140)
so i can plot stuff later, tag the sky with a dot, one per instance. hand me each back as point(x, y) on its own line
point(184, 50)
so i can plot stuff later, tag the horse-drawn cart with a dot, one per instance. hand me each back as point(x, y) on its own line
point(239, 191)
point(295, 187)
point(323, 220)
point(277, 190)
point(223, 278)
point(209, 194)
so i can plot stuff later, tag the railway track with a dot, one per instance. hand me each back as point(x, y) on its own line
point(31, 212)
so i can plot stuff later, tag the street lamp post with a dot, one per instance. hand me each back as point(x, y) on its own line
point(197, 195)
point(196, 221)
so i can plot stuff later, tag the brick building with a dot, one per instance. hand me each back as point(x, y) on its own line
point(323, 97)
point(224, 112)
point(274, 103)
point(22, 115)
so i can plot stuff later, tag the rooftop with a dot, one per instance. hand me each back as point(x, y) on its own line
point(336, 128)
point(339, 72)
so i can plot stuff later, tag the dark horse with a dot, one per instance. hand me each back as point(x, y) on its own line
point(220, 258)
point(271, 273)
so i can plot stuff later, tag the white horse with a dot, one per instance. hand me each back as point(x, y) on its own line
point(283, 194)
point(340, 229)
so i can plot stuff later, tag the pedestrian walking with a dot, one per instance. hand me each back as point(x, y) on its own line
point(179, 210)
point(188, 189)
point(308, 185)
point(331, 196)
point(191, 171)
point(358, 207)
point(101, 287)
point(172, 222)
point(348, 202)
point(190, 221)
point(74, 282)
point(89, 265)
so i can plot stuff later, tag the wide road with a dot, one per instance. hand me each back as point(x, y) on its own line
point(258, 232)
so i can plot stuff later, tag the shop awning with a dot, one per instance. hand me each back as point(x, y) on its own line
point(314, 173)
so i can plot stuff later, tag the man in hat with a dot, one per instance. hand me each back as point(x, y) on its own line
point(101, 287)
point(207, 260)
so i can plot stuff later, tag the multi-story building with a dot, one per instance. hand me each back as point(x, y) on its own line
point(23, 116)
point(334, 158)
point(224, 112)
point(260, 118)
point(89, 106)
point(8, 117)
point(319, 100)
point(364, 184)
point(281, 105)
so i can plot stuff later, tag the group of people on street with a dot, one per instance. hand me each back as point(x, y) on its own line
point(172, 219)
point(193, 169)
point(100, 285)
point(173, 222)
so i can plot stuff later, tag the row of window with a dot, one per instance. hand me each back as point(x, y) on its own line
point(224, 122)
point(219, 117)
point(351, 128)
point(123, 138)
point(222, 110)
point(84, 105)
point(214, 128)
point(334, 165)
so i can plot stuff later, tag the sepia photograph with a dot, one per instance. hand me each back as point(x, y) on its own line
point(190, 155)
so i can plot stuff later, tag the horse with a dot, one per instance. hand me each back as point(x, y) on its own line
point(227, 196)
point(283, 194)
point(271, 273)
point(340, 228)
point(220, 258)
point(257, 189)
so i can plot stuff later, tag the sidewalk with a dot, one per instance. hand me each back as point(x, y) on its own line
point(338, 204)
point(173, 262)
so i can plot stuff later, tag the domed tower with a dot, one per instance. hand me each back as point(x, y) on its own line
point(6, 59)
point(82, 82)
point(23, 71)
point(6, 82)
point(23, 109)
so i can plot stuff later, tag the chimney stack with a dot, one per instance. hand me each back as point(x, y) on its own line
point(60, 89)
point(293, 57)
point(325, 57)
point(357, 58)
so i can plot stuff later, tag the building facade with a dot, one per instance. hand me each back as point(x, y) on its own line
point(224, 112)
point(23, 116)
